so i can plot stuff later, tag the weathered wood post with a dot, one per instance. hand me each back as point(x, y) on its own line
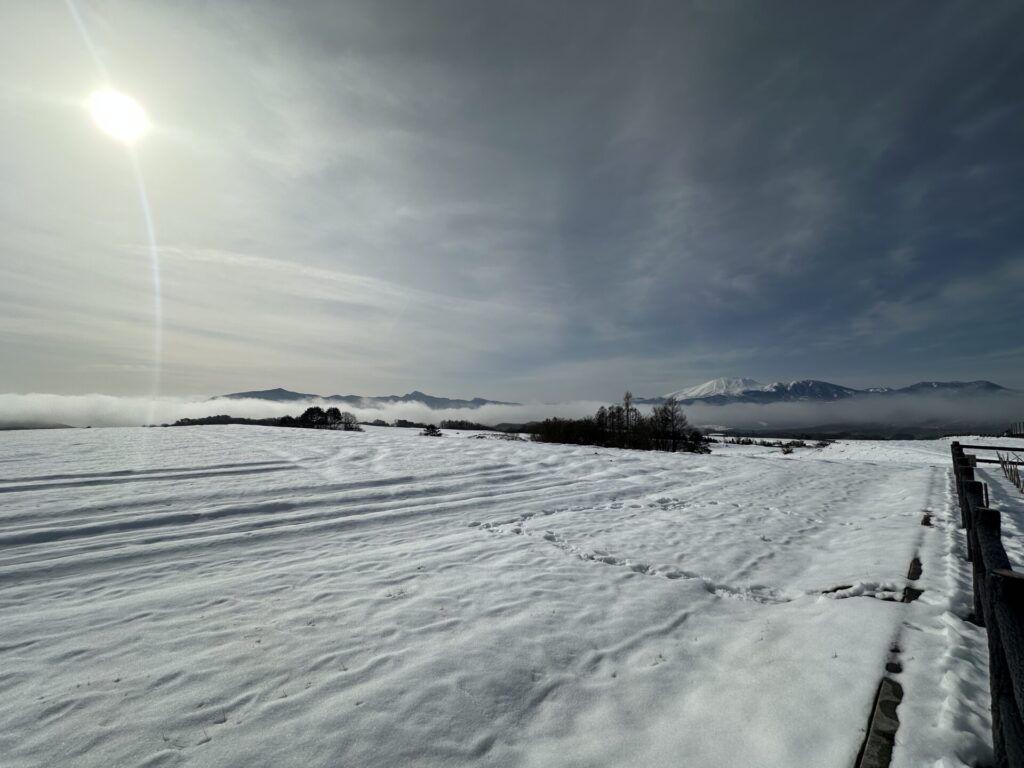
point(998, 604)
point(956, 453)
point(965, 474)
point(989, 556)
point(973, 498)
point(1006, 666)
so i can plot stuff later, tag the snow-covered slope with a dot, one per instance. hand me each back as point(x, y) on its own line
point(809, 389)
point(748, 390)
point(722, 386)
point(238, 596)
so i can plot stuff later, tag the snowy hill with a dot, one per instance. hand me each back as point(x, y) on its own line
point(715, 387)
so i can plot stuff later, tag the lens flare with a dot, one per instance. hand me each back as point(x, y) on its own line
point(118, 115)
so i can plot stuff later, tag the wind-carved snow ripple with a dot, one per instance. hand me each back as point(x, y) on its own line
point(157, 515)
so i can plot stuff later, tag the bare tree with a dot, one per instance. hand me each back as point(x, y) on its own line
point(670, 422)
point(601, 423)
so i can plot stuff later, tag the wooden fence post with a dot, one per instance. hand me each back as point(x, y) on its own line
point(956, 452)
point(1006, 665)
point(986, 526)
point(974, 498)
point(964, 473)
point(1008, 589)
point(989, 555)
point(998, 606)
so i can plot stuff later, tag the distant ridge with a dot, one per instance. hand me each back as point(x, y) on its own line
point(278, 395)
point(434, 403)
point(723, 391)
point(741, 390)
point(13, 425)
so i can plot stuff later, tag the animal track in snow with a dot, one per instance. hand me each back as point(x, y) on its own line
point(878, 590)
point(756, 593)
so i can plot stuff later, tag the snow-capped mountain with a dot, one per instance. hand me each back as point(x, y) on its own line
point(717, 387)
point(741, 390)
point(810, 389)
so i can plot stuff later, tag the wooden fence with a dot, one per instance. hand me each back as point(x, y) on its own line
point(1011, 464)
point(998, 603)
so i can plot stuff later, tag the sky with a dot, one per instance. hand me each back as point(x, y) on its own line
point(516, 200)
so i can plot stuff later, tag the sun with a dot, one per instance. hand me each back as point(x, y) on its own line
point(118, 115)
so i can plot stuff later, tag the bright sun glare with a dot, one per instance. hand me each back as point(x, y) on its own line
point(118, 115)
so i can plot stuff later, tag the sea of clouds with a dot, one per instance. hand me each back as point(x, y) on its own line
point(911, 410)
point(109, 411)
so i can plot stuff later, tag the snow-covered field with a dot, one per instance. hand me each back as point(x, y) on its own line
point(241, 596)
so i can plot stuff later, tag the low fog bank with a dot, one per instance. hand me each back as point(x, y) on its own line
point(108, 411)
point(994, 412)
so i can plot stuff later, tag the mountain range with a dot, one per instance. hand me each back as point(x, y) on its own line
point(359, 401)
point(724, 391)
point(727, 391)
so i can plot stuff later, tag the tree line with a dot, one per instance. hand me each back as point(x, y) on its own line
point(312, 418)
point(318, 418)
point(624, 426)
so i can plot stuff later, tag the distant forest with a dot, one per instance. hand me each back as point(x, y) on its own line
point(624, 426)
point(331, 418)
point(312, 418)
point(615, 426)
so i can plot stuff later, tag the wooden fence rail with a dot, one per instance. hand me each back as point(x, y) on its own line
point(998, 606)
point(1011, 464)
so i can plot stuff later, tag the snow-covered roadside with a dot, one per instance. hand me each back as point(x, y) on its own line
point(241, 595)
point(1007, 498)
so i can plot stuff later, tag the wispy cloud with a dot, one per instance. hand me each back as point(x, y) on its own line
point(513, 199)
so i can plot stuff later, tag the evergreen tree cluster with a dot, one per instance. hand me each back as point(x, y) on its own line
point(624, 426)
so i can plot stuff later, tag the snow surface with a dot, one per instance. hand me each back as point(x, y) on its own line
point(238, 596)
point(714, 387)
